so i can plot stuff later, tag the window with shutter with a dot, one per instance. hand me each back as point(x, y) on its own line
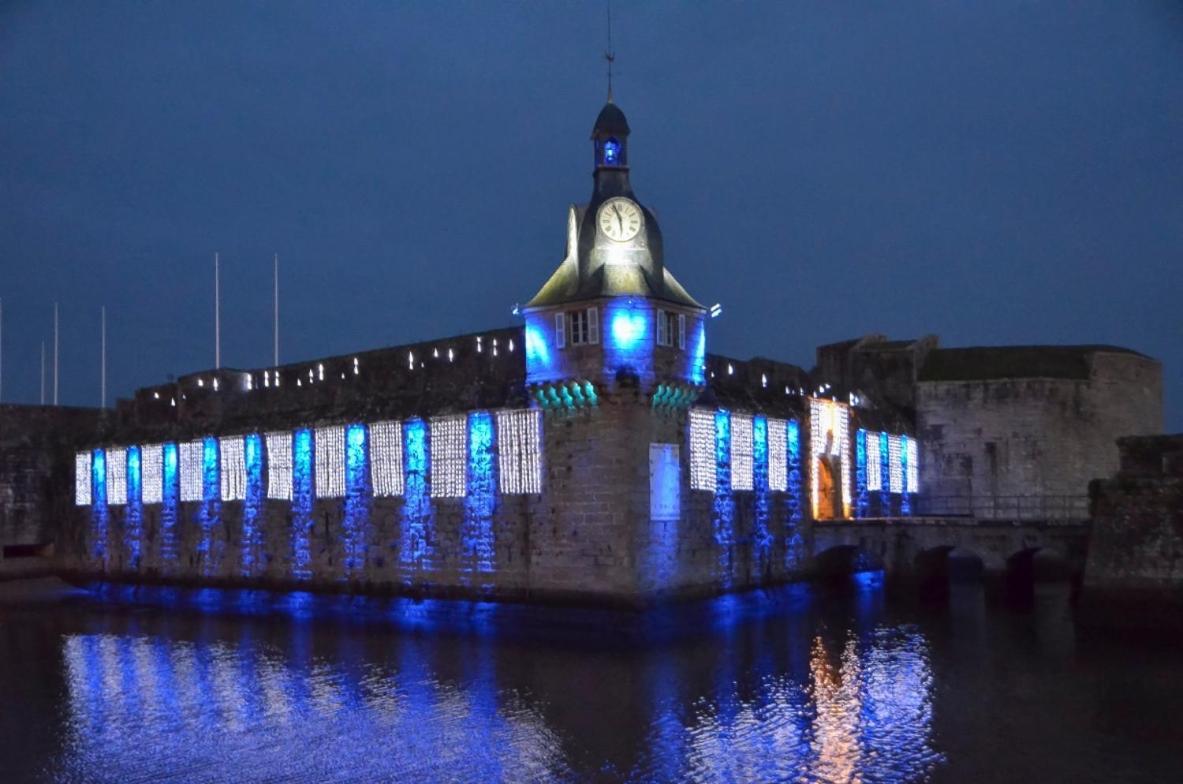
point(579, 327)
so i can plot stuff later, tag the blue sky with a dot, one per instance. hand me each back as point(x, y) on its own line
point(994, 173)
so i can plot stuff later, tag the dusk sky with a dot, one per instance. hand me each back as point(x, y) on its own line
point(991, 172)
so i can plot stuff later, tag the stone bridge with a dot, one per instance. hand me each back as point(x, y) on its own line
point(919, 547)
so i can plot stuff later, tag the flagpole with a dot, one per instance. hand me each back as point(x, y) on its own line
point(275, 326)
point(103, 363)
point(55, 353)
point(43, 372)
point(217, 315)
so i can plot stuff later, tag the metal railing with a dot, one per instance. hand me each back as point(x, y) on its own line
point(1004, 507)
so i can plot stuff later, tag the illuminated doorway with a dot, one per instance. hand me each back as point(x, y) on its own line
point(827, 502)
point(830, 468)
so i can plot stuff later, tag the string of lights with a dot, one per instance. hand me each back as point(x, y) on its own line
point(329, 457)
point(778, 453)
point(279, 466)
point(519, 451)
point(702, 450)
point(82, 479)
point(191, 471)
point(386, 458)
point(116, 476)
point(913, 478)
point(152, 473)
point(895, 470)
point(233, 479)
point(874, 479)
point(449, 456)
point(741, 452)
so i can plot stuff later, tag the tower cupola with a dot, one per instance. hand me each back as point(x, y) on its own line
point(610, 135)
point(612, 306)
point(610, 146)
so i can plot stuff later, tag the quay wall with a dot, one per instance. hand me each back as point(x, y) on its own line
point(1134, 574)
point(36, 452)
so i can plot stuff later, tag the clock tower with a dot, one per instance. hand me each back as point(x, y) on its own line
point(612, 313)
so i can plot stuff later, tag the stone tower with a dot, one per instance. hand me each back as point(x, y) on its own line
point(612, 310)
point(615, 353)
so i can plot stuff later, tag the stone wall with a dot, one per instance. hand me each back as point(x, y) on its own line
point(36, 465)
point(446, 566)
point(587, 537)
point(1028, 446)
point(730, 540)
point(481, 370)
point(882, 370)
point(1134, 575)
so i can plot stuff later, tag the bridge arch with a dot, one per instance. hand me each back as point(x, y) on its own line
point(923, 547)
point(842, 560)
point(935, 569)
point(953, 562)
point(1042, 563)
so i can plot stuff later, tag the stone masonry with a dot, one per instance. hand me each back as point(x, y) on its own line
point(1134, 575)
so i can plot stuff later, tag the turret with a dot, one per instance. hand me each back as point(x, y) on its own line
point(612, 311)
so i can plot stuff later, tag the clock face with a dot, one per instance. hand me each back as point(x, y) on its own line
point(620, 219)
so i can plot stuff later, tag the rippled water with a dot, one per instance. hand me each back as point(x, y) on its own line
point(798, 685)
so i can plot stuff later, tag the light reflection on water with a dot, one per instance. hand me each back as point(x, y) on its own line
point(206, 686)
point(154, 709)
point(216, 697)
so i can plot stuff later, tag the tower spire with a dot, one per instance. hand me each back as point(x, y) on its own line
point(610, 53)
point(610, 57)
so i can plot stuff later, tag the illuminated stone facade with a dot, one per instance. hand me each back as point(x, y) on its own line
point(594, 452)
point(1006, 431)
point(551, 459)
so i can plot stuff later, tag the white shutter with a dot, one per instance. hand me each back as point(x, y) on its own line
point(560, 330)
point(663, 328)
point(682, 331)
point(593, 325)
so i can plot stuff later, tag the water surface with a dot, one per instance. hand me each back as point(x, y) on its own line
point(795, 685)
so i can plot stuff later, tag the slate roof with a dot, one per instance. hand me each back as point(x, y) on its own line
point(635, 268)
point(564, 286)
point(993, 362)
point(610, 122)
